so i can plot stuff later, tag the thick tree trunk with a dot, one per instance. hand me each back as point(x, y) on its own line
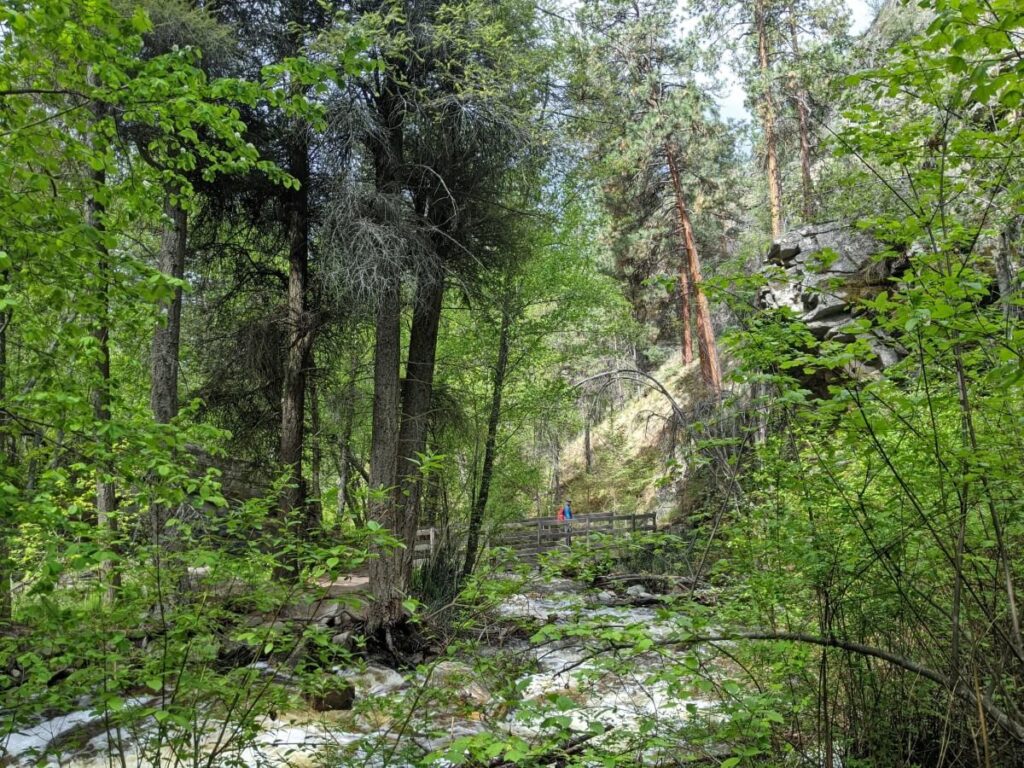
point(705, 331)
point(417, 391)
point(386, 567)
point(767, 109)
point(387, 585)
point(490, 448)
point(299, 335)
point(800, 96)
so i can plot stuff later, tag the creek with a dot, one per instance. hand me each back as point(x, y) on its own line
point(573, 682)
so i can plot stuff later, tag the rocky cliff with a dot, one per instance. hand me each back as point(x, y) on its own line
point(818, 273)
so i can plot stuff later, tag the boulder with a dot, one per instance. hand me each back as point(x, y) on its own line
point(462, 680)
point(374, 680)
point(338, 694)
point(345, 640)
point(326, 613)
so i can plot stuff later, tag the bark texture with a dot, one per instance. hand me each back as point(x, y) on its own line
point(299, 333)
point(387, 586)
point(705, 330)
point(315, 506)
point(417, 392)
point(387, 567)
point(767, 110)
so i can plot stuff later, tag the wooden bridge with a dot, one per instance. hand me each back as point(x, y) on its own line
point(535, 535)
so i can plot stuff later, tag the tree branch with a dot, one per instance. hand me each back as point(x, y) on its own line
point(1010, 725)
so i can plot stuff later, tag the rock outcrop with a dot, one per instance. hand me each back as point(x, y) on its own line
point(819, 273)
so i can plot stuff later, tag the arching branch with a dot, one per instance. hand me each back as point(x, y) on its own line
point(641, 378)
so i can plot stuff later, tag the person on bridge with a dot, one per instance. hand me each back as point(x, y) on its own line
point(565, 513)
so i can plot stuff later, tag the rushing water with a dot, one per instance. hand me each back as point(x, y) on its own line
point(589, 690)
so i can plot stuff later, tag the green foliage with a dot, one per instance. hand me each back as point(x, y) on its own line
point(884, 509)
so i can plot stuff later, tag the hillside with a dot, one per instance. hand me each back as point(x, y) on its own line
point(635, 461)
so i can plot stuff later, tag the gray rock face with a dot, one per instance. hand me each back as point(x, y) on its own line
point(819, 272)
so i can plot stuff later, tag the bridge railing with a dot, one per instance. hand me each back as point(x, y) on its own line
point(528, 537)
point(426, 545)
point(539, 534)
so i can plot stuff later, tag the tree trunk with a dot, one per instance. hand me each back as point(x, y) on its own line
point(386, 584)
point(106, 500)
point(316, 458)
point(800, 96)
point(164, 353)
point(556, 472)
point(387, 567)
point(417, 391)
point(348, 417)
point(7, 454)
point(705, 331)
point(164, 357)
point(490, 449)
point(767, 109)
point(588, 449)
point(1007, 259)
point(299, 335)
